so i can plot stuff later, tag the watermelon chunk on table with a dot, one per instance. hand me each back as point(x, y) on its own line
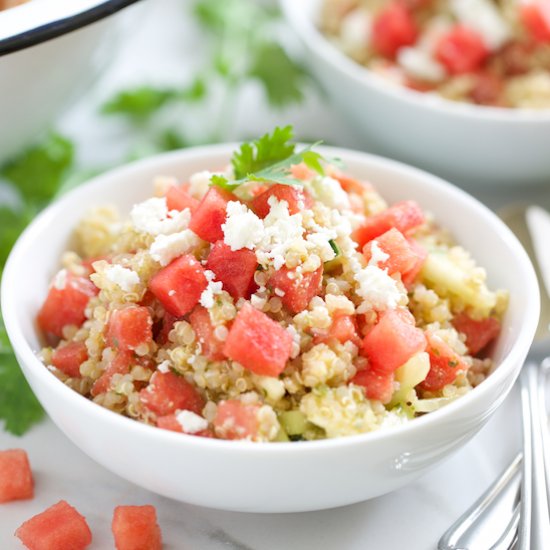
point(211, 346)
point(210, 214)
point(405, 216)
point(296, 197)
point(129, 328)
point(179, 285)
point(392, 342)
point(16, 481)
point(178, 198)
point(168, 392)
point(234, 268)
point(258, 343)
point(65, 306)
point(136, 528)
point(235, 420)
point(60, 527)
point(295, 289)
point(69, 357)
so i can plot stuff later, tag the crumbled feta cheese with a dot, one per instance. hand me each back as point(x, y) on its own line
point(199, 183)
point(164, 367)
point(152, 217)
point(279, 292)
point(377, 254)
point(355, 31)
point(190, 422)
point(165, 248)
point(329, 191)
point(125, 278)
point(258, 301)
point(484, 17)
point(378, 290)
point(242, 228)
point(419, 64)
point(213, 288)
point(322, 246)
point(281, 232)
point(60, 279)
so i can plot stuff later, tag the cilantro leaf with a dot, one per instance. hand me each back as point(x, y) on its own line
point(269, 149)
point(19, 408)
point(39, 171)
point(138, 103)
point(12, 224)
point(280, 76)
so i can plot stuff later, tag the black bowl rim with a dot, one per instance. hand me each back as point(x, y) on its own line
point(61, 26)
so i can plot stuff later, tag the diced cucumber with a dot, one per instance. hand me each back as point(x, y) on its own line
point(409, 375)
point(293, 422)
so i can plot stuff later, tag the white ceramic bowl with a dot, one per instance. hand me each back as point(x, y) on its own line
point(465, 143)
point(277, 477)
point(50, 52)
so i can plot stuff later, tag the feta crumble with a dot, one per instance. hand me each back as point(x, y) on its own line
point(164, 367)
point(191, 422)
point(213, 288)
point(378, 290)
point(377, 254)
point(419, 64)
point(329, 191)
point(152, 217)
point(125, 278)
point(242, 228)
point(166, 248)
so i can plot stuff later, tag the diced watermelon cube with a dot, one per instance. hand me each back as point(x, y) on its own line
point(535, 16)
point(343, 329)
point(69, 357)
point(16, 481)
point(462, 50)
point(136, 528)
point(296, 289)
point(378, 387)
point(478, 332)
point(66, 306)
point(420, 254)
point(445, 364)
point(405, 216)
point(210, 214)
point(168, 392)
point(170, 423)
point(211, 346)
point(179, 285)
point(392, 342)
point(60, 527)
point(178, 198)
point(258, 343)
point(301, 171)
point(234, 268)
point(235, 420)
point(164, 327)
point(392, 28)
point(402, 257)
point(129, 328)
point(119, 365)
point(297, 198)
point(349, 184)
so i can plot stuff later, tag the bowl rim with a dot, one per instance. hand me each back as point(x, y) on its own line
point(50, 383)
point(35, 22)
point(303, 25)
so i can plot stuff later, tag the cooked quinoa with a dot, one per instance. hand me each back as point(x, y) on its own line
point(489, 52)
point(309, 284)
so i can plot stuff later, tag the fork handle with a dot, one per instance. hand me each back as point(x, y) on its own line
point(474, 520)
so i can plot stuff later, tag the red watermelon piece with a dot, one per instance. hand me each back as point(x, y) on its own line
point(297, 289)
point(178, 198)
point(16, 481)
point(211, 347)
point(378, 387)
point(179, 285)
point(478, 332)
point(60, 527)
point(235, 420)
point(130, 327)
point(136, 528)
point(234, 268)
point(119, 365)
point(402, 257)
point(258, 343)
point(297, 198)
point(69, 357)
point(210, 214)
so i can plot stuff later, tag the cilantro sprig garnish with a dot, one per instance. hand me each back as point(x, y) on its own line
point(269, 160)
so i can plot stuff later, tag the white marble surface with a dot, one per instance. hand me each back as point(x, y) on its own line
point(162, 48)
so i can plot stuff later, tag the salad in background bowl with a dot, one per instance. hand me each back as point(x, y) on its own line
point(469, 143)
point(353, 468)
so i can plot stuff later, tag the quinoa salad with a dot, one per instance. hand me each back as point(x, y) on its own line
point(486, 52)
point(281, 299)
